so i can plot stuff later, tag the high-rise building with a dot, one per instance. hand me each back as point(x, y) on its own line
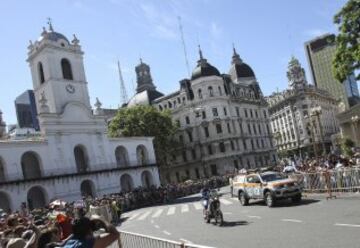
point(26, 113)
point(320, 52)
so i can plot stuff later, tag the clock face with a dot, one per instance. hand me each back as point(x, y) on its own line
point(70, 88)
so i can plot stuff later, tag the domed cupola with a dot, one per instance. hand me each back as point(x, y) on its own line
point(203, 68)
point(52, 35)
point(239, 69)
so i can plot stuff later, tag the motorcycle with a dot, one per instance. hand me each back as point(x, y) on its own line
point(213, 211)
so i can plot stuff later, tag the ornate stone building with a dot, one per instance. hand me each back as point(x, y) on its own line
point(73, 156)
point(302, 116)
point(223, 118)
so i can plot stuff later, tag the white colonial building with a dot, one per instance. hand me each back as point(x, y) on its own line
point(303, 117)
point(73, 156)
point(223, 119)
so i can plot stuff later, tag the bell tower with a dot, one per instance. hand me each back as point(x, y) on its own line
point(143, 77)
point(57, 71)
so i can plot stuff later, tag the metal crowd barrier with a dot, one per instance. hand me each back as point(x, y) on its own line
point(336, 180)
point(134, 240)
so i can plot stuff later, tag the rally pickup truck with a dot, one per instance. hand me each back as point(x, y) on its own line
point(270, 186)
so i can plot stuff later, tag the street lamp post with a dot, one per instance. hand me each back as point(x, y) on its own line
point(354, 122)
point(316, 112)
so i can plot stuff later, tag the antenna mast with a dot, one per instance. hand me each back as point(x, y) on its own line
point(184, 46)
point(123, 94)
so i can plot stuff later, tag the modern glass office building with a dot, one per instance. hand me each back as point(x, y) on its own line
point(320, 52)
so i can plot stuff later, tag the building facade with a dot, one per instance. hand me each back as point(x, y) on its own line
point(2, 126)
point(26, 112)
point(303, 117)
point(349, 121)
point(320, 52)
point(223, 119)
point(73, 156)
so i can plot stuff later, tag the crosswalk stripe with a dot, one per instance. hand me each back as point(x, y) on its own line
point(225, 202)
point(171, 211)
point(184, 208)
point(157, 213)
point(197, 205)
point(134, 216)
point(143, 217)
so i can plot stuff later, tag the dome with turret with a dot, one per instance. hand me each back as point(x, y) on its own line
point(204, 69)
point(239, 69)
point(52, 35)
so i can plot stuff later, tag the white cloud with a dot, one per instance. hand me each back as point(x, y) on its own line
point(215, 30)
point(161, 24)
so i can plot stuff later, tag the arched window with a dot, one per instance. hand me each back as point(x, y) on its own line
point(5, 203)
point(36, 197)
point(66, 69)
point(160, 108)
point(142, 155)
point(41, 73)
point(122, 157)
point(220, 91)
point(200, 94)
point(87, 188)
point(147, 179)
point(126, 183)
point(211, 92)
point(30, 165)
point(80, 159)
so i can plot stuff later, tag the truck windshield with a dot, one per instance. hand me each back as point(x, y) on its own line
point(272, 177)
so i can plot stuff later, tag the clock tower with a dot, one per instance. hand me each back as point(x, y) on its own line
point(58, 73)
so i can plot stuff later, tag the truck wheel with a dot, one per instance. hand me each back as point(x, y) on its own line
point(244, 201)
point(269, 200)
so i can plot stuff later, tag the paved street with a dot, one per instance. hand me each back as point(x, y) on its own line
point(316, 222)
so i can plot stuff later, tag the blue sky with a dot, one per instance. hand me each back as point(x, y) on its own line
point(265, 32)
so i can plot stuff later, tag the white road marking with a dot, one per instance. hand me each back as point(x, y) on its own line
point(171, 211)
point(292, 220)
point(227, 213)
point(152, 222)
point(166, 232)
point(348, 225)
point(234, 199)
point(143, 217)
point(198, 205)
point(254, 216)
point(225, 202)
point(134, 216)
point(157, 226)
point(184, 208)
point(185, 240)
point(157, 213)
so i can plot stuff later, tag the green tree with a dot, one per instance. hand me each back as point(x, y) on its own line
point(347, 55)
point(346, 147)
point(147, 121)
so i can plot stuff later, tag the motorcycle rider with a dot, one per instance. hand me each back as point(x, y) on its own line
point(205, 195)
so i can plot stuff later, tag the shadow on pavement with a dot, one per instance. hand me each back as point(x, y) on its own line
point(287, 203)
point(185, 200)
point(234, 223)
point(122, 219)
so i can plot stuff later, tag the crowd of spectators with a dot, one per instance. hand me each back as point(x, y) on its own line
point(77, 224)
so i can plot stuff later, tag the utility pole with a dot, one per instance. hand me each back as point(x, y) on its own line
point(123, 94)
